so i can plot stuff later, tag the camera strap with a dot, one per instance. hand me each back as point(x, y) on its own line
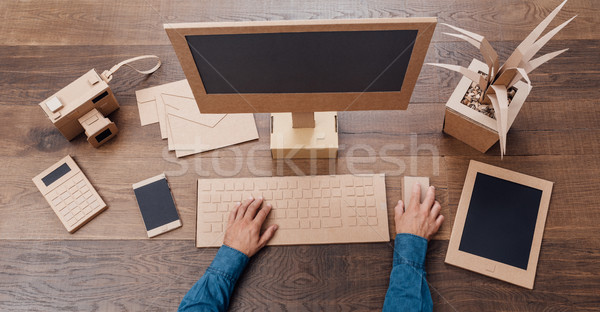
point(107, 74)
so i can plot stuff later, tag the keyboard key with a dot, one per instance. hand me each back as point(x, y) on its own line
point(288, 224)
point(205, 186)
point(361, 202)
point(314, 212)
point(307, 194)
point(362, 212)
point(239, 186)
point(315, 184)
point(229, 186)
point(272, 185)
point(293, 213)
point(324, 212)
point(218, 186)
point(262, 185)
point(204, 227)
point(303, 213)
point(351, 221)
point(277, 195)
point(277, 214)
point(316, 194)
point(360, 191)
point(305, 224)
point(288, 194)
point(371, 212)
point(248, 186)
point(315, 224)
point(314, 203)
point(211, 217)
point(329, 223)
point(282, 185)
point(370, 202)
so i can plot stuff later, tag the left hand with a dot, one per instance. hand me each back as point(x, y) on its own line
point(243, 228)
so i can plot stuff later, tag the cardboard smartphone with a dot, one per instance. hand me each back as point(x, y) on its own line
point(157, 205)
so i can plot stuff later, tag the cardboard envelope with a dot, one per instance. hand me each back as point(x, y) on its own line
point(187, 130)
point(188, 137)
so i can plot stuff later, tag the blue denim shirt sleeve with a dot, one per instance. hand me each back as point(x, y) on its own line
point(408, 289)
point(213, 290)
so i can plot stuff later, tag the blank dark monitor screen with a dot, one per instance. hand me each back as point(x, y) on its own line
point(303, 62)
point(156, 204)
point(501, 221)
point(56, 174)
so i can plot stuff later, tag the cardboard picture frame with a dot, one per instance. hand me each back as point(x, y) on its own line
point(454, 256)
point(301, 102)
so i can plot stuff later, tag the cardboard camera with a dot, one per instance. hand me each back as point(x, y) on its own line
point(82, 106)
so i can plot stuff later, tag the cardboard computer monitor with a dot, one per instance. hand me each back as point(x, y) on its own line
point(302, 67)
point(81, 106)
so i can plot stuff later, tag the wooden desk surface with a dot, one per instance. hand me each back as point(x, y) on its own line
point(110, 264)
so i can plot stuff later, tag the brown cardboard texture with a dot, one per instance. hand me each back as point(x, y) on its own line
point(457, 255)
point(407, 185)
point(495, 80)
point(70, 194)
point(187, 130)
point(301, 102)
point(308, 209)
point(78, 98)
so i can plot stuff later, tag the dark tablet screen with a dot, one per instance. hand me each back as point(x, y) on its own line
point(501, 221)
point(156, 204)
point(303, 62)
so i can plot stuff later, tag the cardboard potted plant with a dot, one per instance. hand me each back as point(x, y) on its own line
point(488, 98)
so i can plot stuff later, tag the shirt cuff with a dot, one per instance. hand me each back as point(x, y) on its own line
point(229, 263)
point(410, 249)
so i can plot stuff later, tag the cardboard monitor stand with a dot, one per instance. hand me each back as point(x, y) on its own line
point(302, 67)
point(499, 224)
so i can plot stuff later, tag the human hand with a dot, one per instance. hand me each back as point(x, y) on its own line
point(243, 228)
point(421, 219)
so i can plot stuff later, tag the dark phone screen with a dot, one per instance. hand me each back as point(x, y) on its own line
point(156, 204)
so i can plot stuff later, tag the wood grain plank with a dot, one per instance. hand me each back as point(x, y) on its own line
point(26, 215)
point(153, 275)
point(574, 192)
point(140, 21)
point(31, 74)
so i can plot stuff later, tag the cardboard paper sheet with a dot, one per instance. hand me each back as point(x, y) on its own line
point(188, 131)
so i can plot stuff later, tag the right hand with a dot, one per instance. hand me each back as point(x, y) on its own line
point(243, 227)
point(421, 219)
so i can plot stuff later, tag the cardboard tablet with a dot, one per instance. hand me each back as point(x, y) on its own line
point(499, 224)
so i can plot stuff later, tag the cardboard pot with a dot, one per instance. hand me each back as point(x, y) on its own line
point(472, 127)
